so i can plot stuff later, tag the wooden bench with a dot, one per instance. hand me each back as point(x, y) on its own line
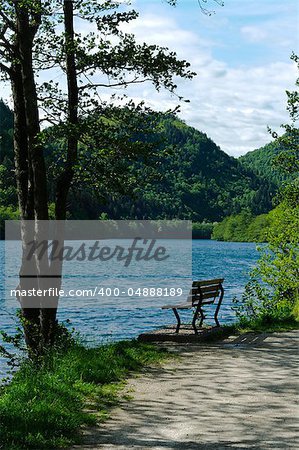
point(202, 293)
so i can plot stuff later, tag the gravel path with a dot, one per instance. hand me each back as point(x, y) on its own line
point(241, 393)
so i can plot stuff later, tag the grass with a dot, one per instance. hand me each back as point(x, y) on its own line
point(270, 324)
point(46, 407)
point(261, 325)
point(284, 318)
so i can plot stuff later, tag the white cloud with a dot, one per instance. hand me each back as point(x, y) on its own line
point(254, 34)
point(233, 106)
point(279, 33)
point(162, 30)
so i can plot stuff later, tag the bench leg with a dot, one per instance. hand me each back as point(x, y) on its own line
point(194, 325)
point(202, 316)
point(195, 317)
point(218, 307)
point(178, 320)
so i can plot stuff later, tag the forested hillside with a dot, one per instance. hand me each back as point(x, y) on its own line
point(197, 181)
point(262, 162)
point(192, 179)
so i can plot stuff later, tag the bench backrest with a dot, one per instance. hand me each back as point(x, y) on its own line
point(206, 291)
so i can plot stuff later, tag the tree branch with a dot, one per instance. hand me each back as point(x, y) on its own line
point(5, 43)
point(10, 24)
point(5, 68)
point(122, 83)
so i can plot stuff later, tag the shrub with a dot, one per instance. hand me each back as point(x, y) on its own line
point(273, 289)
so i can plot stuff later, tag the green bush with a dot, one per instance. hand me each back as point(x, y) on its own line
point(273, 290)
point(243, 227)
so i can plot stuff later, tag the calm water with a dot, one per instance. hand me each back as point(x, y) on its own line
point(211, 259)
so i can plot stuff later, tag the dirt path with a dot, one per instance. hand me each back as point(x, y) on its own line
point(241, 393)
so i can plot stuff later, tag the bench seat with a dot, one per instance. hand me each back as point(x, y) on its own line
point(181, 306)
point(202, 293)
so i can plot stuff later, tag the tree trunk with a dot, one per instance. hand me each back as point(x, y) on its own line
point(24, 178)
point(39, 322)
point(64, 182)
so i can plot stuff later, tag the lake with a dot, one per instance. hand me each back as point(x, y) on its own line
point(210, 259)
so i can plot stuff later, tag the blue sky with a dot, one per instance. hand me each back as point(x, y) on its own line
point(241, 55)
point(244, 31)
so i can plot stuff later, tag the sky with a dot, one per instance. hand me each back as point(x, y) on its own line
point(241, 54)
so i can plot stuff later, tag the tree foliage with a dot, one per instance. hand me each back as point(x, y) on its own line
point(288, 158)
point(262, 162)
point(273, 291)
point(243, 227)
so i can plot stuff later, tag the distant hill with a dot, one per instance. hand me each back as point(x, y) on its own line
point(194, 179)
point(199, 181)
point(261, 162)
